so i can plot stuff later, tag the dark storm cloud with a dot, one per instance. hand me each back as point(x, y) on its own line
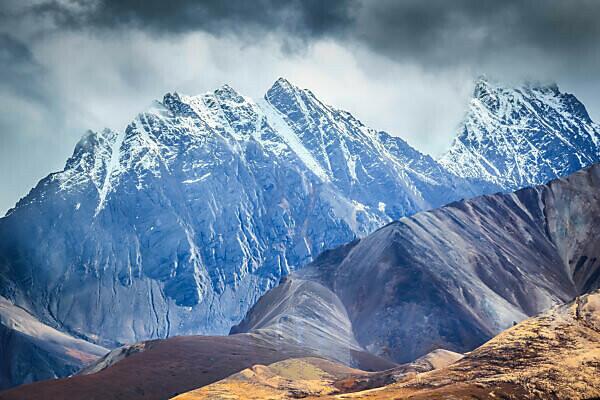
point(433, 33)
point(19, 70)
point(447, 32)
point(302, 18)
point(70, 65)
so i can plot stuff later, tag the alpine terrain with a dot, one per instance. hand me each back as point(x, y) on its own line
point(559, 361)
point(178, 224)
point(402, 301)
point(452, 277)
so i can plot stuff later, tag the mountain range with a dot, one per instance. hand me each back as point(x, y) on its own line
point(199, 207)
point(448, 278)
point(523, 136)
point(371, 304)
point(178, 224)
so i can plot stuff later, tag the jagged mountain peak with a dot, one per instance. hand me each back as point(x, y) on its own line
point(228, 92)
point(207, 201)
point(179, 223)
point(494, 93)
point(522, 135)
point(203, 203)
point(482, 87)
point(90, 141)
point(177, 102)
point(283, 84)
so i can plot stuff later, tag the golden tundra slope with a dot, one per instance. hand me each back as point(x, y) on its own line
point(555, 355)
point(312, 377)
point(298, 377)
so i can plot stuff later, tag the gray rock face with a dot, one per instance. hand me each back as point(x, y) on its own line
point(524, 136)
point(31, 351)
point(178, 224)
point(456, 276)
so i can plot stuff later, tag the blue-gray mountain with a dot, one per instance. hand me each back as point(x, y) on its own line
point(450, 277)
point(178, 224)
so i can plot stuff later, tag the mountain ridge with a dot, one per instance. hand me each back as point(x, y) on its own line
point(282, 323)
point(203, 202)
point(454, 277)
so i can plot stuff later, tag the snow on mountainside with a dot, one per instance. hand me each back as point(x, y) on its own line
point(517, 137)
point(375, 170)
point(179, 223)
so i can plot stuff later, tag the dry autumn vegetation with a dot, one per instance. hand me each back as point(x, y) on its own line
point(555, 355)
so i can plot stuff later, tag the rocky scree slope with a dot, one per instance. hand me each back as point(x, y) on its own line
point(495, 260)
point(555, 355)
point(31, 351)
point(179, 223)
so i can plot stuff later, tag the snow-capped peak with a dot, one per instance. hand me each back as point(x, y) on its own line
point(521, 136)
point(283, 84)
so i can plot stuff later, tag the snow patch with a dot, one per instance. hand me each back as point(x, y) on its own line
point(276, 120)
point(112, 166)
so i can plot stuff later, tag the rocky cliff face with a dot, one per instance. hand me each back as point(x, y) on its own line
point(178, 224)
point(523, 136)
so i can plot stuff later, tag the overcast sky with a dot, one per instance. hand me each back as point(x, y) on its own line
point(403, 66)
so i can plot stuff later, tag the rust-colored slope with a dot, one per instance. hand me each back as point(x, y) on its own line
point(555, 355)
point(162, 370)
